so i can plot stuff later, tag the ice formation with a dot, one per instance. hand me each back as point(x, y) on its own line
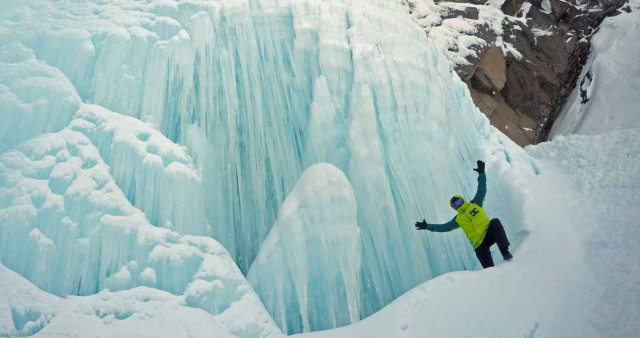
point(170, 119)
point(157, 175)
point(308, 269)
point(36, 98)
point(78, 234)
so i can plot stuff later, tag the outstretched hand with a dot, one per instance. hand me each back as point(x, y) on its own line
point(421, 225)
point(480, 168)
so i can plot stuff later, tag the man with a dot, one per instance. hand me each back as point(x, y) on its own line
point(481, 232)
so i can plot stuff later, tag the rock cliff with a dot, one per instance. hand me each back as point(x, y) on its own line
point(520, 59)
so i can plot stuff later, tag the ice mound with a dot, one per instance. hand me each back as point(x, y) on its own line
point(308, 269)
point(69, 229)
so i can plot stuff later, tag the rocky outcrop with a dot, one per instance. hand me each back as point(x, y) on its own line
point(522, 59)
point(555, 45)
point(487, 84)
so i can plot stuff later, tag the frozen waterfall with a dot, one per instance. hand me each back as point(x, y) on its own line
point(174, 121)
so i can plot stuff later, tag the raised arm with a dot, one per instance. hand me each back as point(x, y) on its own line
point(482, 185)
point(445, 227)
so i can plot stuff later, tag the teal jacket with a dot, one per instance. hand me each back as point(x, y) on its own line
point(477, 199)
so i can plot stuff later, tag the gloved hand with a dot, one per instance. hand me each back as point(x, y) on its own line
point(480, 168)
point(421, 225)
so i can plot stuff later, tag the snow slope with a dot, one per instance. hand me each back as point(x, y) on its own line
point(601, 100)
point(576, 275)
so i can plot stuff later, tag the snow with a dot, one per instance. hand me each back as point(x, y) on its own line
point(600, 103)
point(140, 312)
point(541, 32)
point(455, 36)
point(524, 10)
point(546, 6)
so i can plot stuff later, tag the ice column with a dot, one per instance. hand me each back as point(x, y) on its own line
point(308, 269)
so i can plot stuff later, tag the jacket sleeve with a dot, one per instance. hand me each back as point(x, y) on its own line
point(482, 189)
point(451, 225)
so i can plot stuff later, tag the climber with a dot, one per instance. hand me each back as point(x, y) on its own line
point(481, 232)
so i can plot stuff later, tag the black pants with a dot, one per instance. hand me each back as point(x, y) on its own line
point(495, 235)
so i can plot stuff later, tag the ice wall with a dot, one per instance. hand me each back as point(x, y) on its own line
point(67, 227)
point(157, 175)
point(308, 268)
point(257, 91)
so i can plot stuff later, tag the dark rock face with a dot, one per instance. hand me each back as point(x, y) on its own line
point(583, 23)
point(553, 40)
point(489, 92)
point(539, 84)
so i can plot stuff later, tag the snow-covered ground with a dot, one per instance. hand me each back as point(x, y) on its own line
point(143, 312)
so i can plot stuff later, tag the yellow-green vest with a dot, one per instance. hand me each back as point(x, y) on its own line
point(474, 221)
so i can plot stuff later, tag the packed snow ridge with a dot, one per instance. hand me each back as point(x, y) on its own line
point(154, 153)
